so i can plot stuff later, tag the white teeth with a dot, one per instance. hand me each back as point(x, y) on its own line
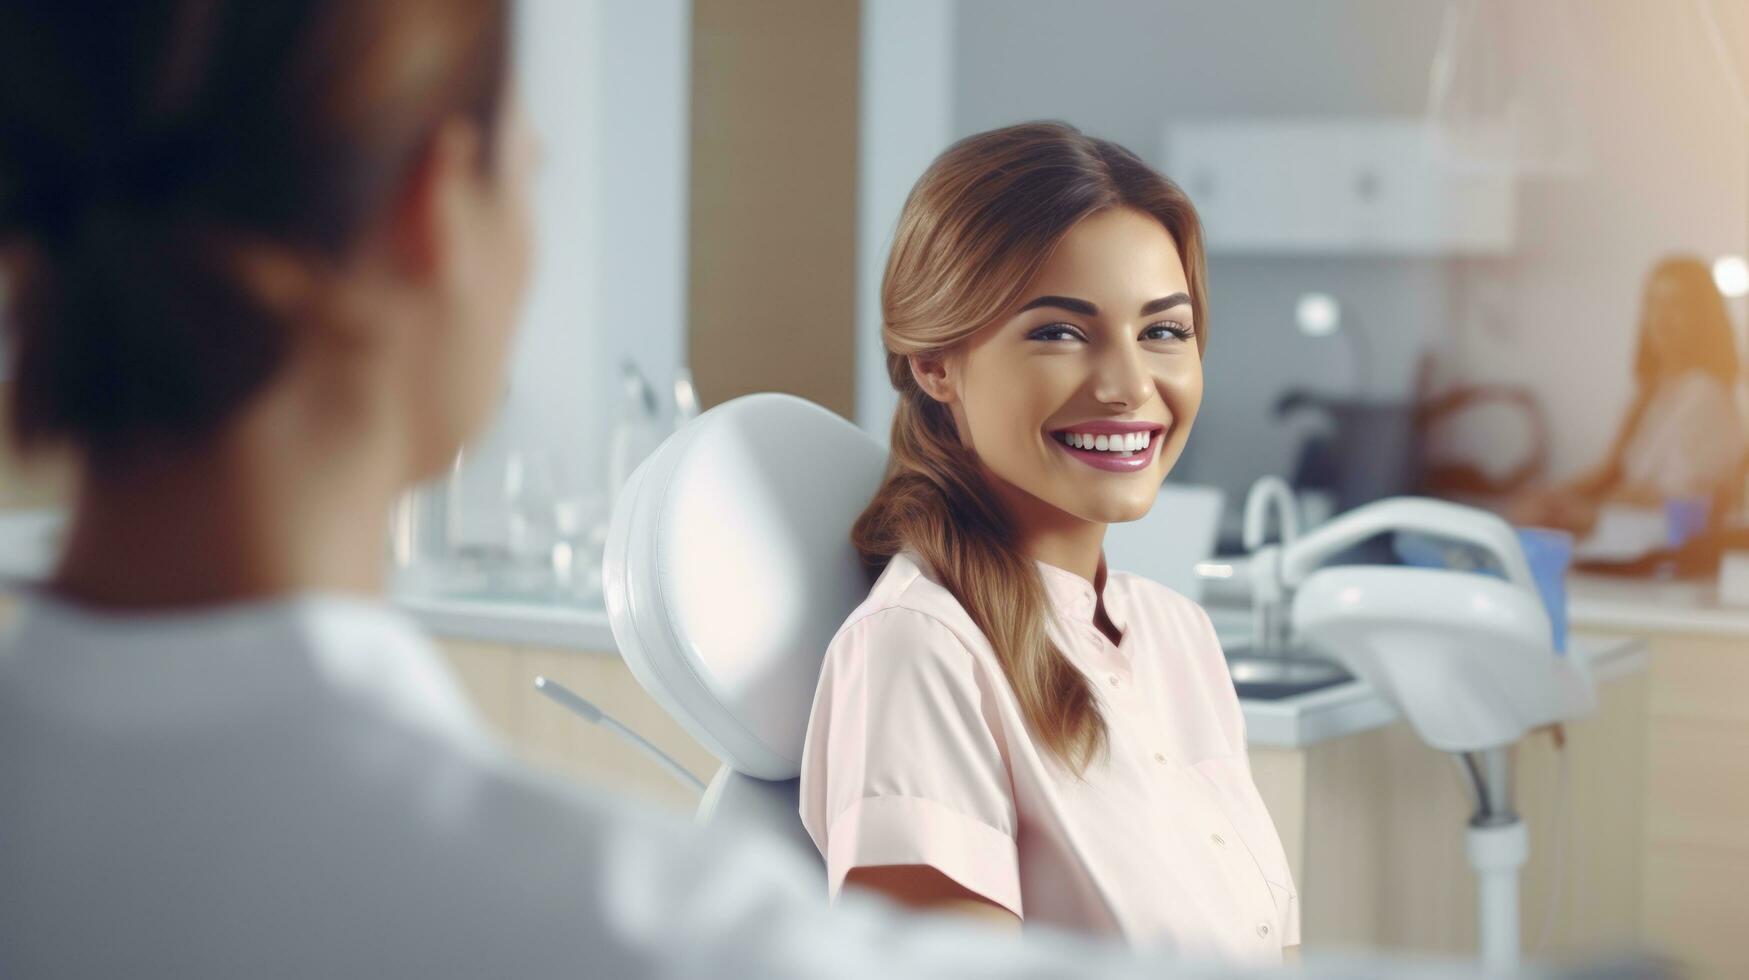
point(1126, 442)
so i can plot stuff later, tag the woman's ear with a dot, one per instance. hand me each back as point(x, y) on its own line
point(933, 373)
point(432, 214)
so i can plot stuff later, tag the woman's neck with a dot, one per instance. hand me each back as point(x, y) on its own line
point(1051, 535)
point(1077, 549)
point(269, 509)
point(1076, 545)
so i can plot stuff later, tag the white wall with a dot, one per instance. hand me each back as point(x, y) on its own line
point(606, 83)
point(906, 107)
point(556, 371)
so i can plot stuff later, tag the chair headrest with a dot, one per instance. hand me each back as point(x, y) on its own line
point(729, 568)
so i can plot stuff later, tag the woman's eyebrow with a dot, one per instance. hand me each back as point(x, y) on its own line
point(1085, 308)
point(1165, 303)
point(1069, 303)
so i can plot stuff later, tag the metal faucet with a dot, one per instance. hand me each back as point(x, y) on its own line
point(1269, 624)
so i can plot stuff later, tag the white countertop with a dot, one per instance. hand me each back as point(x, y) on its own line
point(554, 627)
point(1603, 602)
point(1295, 722)
point(29, 539)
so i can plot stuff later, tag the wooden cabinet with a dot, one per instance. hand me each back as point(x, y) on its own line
point(500, 679)
point(1373, 824)
point(1694, 850)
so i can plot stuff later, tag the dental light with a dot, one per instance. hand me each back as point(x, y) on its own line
point(1467, 658)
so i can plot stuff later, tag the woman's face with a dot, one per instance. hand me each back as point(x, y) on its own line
point(1663, 318)
point(1083, 397)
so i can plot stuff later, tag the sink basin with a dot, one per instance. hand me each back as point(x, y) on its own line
point(1276, 675)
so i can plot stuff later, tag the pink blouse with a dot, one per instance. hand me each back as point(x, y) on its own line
point(917, 753)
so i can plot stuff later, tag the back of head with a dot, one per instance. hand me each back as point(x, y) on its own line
point(148, 149)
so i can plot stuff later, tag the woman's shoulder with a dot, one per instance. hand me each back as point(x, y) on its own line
point(910, 612)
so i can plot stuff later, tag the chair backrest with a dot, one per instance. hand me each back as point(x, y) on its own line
point(729, 568)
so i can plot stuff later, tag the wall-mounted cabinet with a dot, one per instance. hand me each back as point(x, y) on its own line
point(1335, 186)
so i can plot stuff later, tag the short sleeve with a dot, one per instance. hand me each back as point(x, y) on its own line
point(903, 763)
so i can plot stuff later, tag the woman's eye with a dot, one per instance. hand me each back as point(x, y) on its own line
point(1168, 330)
point(1055, 331)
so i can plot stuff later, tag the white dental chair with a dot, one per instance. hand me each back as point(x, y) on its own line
point(1467, 658)
point(728, 569)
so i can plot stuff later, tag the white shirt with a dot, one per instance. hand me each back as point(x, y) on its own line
point(918, 753)
point(1690, 441)
point(299, 788)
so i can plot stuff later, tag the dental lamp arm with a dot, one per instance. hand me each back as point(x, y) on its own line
point(1437, 518)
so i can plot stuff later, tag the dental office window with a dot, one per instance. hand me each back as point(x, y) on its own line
point(523, 511)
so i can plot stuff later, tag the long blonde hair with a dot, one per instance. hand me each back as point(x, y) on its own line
point(975, 230)
point(1706, 342)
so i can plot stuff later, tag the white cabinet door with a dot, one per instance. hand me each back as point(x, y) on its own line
point(1334, 186)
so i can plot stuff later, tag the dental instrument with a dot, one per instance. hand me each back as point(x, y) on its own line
point(584, 708)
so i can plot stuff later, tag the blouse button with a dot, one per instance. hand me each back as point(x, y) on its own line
point(1218, 839)
point(1114, 680)
point(1263, 930)
point(1158, 757)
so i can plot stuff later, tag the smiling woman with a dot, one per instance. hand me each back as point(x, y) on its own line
point(1044, 318)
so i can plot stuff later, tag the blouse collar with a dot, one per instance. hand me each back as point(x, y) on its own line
point(1073, 597)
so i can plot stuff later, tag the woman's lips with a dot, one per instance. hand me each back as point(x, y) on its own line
point(1112, 463)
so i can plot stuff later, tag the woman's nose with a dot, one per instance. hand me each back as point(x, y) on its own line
point(1122, 380)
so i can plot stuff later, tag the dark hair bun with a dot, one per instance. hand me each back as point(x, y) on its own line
point(142, 142)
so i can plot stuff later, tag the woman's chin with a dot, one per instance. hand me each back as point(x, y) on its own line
point(1115, 508)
